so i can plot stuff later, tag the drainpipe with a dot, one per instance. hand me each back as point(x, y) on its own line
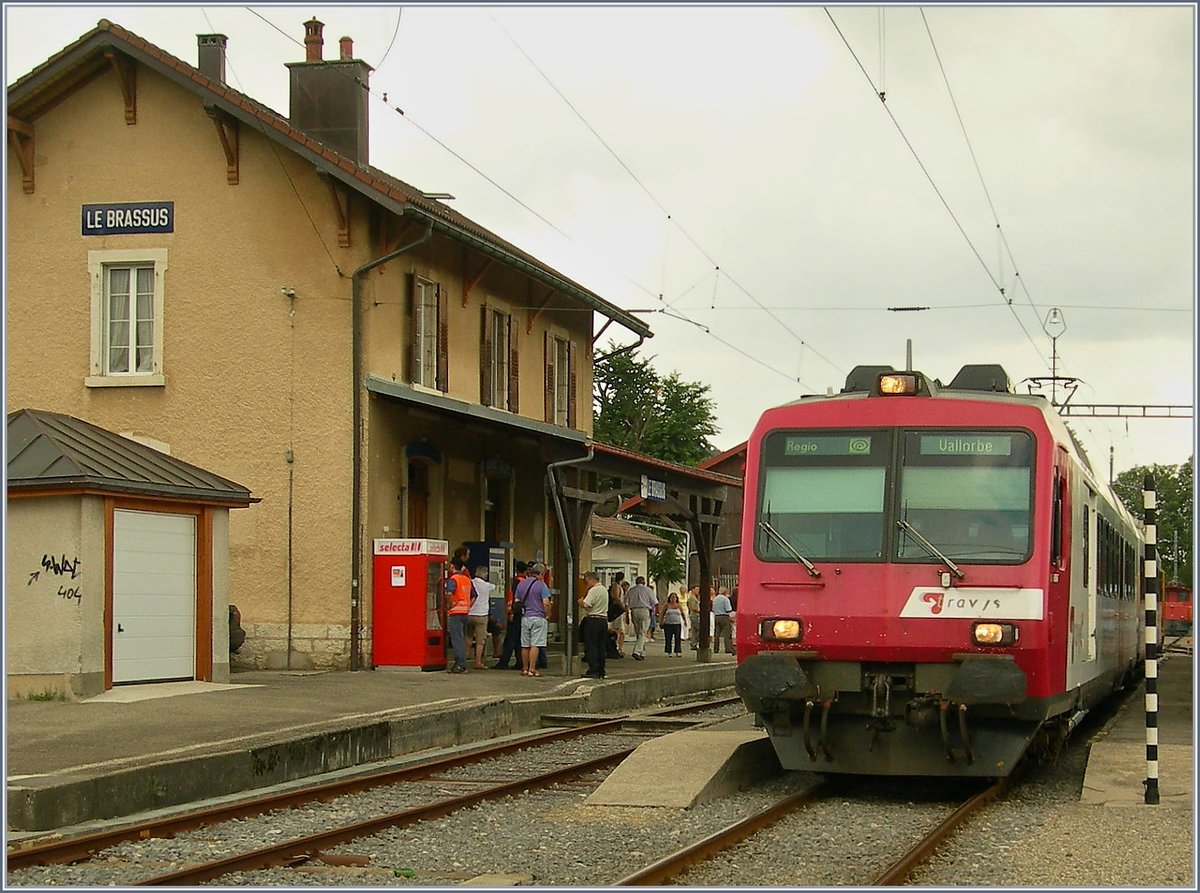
point(356, 504)
point(620, 350)
point(568, 653)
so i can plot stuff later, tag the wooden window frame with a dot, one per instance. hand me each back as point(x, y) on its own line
point(101, 265)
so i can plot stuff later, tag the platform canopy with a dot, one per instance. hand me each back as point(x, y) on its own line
point(690, 497)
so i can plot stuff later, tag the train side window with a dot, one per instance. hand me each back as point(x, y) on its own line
point(1056, 532)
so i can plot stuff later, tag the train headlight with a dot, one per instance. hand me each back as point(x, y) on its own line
point(994, 633)
point(894, 383)
point(781, 630)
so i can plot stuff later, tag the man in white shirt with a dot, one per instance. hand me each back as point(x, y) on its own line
point(593, 608)
point(477, 616)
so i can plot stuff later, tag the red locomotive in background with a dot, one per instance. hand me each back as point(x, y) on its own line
point(1176, 609)
point(933, 577)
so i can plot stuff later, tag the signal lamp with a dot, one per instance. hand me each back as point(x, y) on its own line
point(781, 630)
point(994, 634)
point(898, 383)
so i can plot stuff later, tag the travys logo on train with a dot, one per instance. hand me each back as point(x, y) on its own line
point(981, 603)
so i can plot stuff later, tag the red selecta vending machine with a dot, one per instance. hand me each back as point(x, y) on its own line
point(408, 629)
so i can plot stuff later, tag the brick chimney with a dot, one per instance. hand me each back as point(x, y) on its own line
point(329, 98)
point(211, 54)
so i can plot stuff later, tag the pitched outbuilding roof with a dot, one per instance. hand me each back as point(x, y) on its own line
point(33, 94)
point(623, 531)
point(49, 451)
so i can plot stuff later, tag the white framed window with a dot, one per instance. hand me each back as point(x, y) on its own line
point(127, 317)
point(498, 361)
point(428, 348)
point(562, 381)
point(500, 356)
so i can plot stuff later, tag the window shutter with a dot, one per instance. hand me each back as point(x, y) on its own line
point(485, 360)
point(548, 355)
point(413, 350)
point(514, 404)
point(571, 379)
point(443, 343)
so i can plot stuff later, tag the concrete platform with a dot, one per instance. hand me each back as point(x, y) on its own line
point(719, 761)
point(1117, 767)
point(151, 747)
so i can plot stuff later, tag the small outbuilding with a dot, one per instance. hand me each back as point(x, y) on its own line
point(117, 561)
point(618, 545)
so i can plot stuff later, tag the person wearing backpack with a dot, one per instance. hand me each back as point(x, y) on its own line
point(618, 614)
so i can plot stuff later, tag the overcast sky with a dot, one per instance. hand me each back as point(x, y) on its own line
point(733, 171)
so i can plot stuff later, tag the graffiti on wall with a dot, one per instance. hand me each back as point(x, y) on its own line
point(60, 566)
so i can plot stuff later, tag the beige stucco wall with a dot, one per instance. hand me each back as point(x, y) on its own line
point(258, 385)
point(220, 595)
point(54, 645)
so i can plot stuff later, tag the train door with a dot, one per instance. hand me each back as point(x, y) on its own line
point(1084, 604)
point(1091, 575)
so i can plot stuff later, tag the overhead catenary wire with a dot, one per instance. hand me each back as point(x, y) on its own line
point(929, 177)
point(1002, 238)
point(707, 256)
point(374, 93)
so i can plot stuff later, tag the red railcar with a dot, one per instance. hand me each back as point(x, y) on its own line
point(932, 577)
point(1176, 609)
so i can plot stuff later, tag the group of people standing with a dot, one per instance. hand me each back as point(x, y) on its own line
point(636, 611)
point(517, 621)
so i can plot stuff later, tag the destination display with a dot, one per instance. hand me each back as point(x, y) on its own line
point(827, 445)
point(964, 444)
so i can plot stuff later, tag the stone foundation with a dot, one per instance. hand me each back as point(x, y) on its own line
point(315, 646)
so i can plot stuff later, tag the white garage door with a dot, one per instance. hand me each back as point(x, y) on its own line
point(154, 596)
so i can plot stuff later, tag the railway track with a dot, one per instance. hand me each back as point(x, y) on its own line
point(296, 851)
point(670, 868)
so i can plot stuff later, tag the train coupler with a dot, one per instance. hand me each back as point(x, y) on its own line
point(808, 708)
point(823, 742)
point(963, 732)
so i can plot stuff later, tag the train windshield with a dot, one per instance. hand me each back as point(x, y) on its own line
point(969, 493)
point(824, 493)
point(837, 494)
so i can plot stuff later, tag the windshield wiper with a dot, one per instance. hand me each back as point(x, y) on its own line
point(779, 538)
point(929, 547)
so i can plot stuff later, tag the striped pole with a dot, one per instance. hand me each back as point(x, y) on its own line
point(1151, 571)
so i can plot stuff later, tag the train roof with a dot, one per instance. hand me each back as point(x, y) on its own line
point(988, 382)
point(984, 382)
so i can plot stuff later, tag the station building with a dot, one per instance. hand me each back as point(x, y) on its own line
point(245, 292)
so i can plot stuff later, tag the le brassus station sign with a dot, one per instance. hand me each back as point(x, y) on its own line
point(128, 218)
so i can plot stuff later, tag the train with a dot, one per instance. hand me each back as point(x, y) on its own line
point(934, 581)
point(1176, 609)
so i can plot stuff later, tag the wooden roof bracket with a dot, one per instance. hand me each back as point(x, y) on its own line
point(474, 280)
point(227, 133)
point(596, 337)
point(391, 238)
point(126, 71)
point(20, 137)
point(341, 207)
point(538, 312)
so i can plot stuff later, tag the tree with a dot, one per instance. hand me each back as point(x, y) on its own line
point(1173, 499)
point(636, 408)
point(666, 563)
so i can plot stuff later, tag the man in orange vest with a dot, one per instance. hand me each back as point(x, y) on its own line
point(458, 594)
